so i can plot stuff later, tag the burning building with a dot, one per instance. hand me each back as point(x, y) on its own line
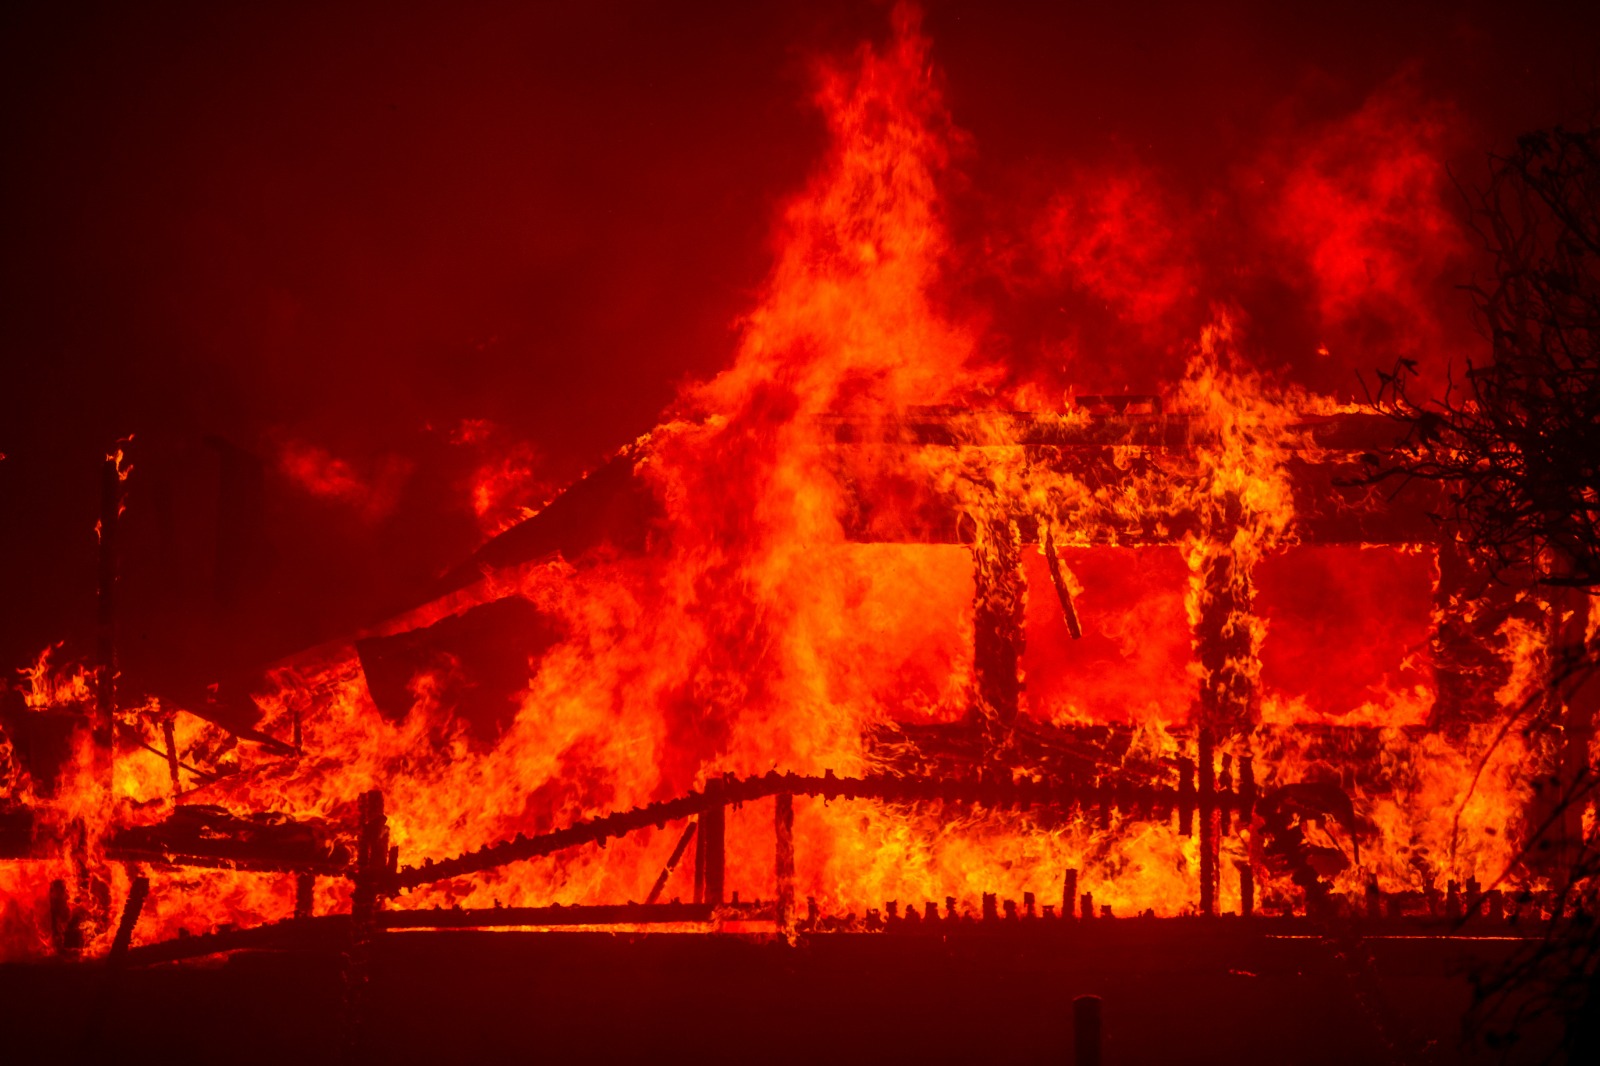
point(862, 640)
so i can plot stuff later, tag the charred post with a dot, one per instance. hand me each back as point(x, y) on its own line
point(783, 864)
point(712, 848)
point(138, 892)
point(997, 622)
point(170, 738)
point(1087, 1037)
point(106, 618)
point(1229, 703)
point(1208, 829)
point(372, 861)
point(1069, 894)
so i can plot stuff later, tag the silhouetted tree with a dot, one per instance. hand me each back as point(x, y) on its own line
point(1514, 446)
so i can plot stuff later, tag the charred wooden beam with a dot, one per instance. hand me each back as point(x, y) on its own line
point(203, 836)
point(672, 863)
point(138, 892)
point(170, 738)
point(327, 932)
point(504, 917)
point(1069, 610)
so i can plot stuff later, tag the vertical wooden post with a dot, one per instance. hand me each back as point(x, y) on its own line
point(709, 850)
point(1069, 894)
point(372, 861)
point(699, 894)
point(106, 617)
point(783, 826)
point(93, 879)
point(997, 623)
point(1088, 1037)
point(1209, 844)
point(1229, 703)
point(1247, 888)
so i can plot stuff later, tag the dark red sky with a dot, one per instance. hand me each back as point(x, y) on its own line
point(350, 227)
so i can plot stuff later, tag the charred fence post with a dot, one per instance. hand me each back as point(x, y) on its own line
point(783, 865)
point(1069, 894)
point(1247, 888)
point(1088, 1037)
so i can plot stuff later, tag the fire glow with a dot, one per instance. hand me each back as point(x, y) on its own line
point(866, 551)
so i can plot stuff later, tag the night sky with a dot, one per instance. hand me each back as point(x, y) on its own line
point(388, 245)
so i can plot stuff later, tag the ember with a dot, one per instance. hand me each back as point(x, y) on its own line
point(879, 631)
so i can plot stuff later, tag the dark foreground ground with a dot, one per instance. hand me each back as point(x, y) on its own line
point(1179, 991)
